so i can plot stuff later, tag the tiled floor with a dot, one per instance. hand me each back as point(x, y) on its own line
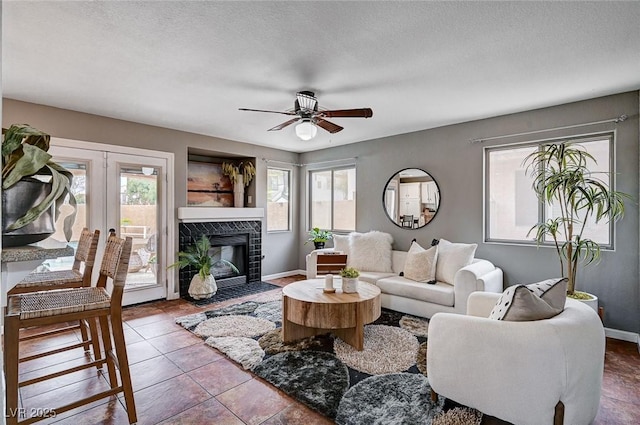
point(179, 380)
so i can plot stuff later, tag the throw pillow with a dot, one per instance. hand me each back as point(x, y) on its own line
point(370, 251)
point(420, 264)
point(535, 301)
point(451, 258)
point(341, 243)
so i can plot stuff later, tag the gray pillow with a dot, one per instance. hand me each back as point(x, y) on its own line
point(535, 301)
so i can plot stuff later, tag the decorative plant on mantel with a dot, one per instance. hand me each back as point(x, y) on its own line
point(246, 169)
point(561, 177)
point(25, 157)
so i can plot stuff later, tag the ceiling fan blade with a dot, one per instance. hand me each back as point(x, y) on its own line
point(271, 112)
point(284, 124)
point(348, 113)
point(327, 125)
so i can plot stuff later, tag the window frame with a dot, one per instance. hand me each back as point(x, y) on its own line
point(578, 139)
point(341, 167)
point(290, 206)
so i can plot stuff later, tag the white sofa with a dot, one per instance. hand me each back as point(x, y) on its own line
point(519, 371)
point(422, 299)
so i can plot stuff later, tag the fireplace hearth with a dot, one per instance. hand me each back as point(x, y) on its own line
point(237, 241)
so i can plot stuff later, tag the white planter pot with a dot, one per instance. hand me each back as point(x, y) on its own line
point(349, 285)
point(200, 289)
point(593, 302)
point(238, 192)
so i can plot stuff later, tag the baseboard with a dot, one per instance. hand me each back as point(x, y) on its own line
point(622, 335)
point(284, 274)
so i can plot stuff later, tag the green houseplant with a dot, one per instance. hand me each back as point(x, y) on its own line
point(319, 237)
point(33, 183)
point(561, 176)
point(349, 280)
point(203, 284)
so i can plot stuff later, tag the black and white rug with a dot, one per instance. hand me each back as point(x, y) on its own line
point(385, 383)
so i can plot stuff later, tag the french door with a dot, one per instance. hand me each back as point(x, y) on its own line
point(125, 193)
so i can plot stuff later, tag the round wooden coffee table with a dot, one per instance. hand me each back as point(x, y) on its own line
point(307, 310)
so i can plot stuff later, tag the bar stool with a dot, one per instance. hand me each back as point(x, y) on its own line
point(73, 278)
point(63, 305)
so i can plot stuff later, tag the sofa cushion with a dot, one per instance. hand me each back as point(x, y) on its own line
point(535, 301)
point(373, 277)
point(370, 251)
point(440, 293)
point(420, 264)
point(341, 243)
point(451, 258)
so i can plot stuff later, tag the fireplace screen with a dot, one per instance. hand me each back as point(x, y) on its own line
point(232, 248)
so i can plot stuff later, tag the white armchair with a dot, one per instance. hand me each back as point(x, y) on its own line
point(519, 371)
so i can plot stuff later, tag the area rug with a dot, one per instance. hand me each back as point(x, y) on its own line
point(385, 383)
point(235, 291)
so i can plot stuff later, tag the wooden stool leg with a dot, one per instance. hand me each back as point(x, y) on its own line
point(11, 348)
point(106, 340)
point(123, 364)
point(95, 339)
point(85, 334)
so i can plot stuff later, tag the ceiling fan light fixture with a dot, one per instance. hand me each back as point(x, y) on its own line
point(306, 130)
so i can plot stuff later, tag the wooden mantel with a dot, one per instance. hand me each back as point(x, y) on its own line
point(204, 214)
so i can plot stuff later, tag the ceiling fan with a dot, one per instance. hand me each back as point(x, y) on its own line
point(306, 109)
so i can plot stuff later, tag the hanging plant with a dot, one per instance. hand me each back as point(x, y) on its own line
point(244, 168)
point(24, 155)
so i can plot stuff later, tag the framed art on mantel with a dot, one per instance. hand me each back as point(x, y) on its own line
point(207, 186)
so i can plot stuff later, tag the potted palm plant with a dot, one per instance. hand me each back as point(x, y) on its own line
point(319, 237)
point(33, 187)
point(203, 284)
point(561, 177)
point(240, 174)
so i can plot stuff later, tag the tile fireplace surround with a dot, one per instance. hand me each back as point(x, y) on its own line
point(196, 221)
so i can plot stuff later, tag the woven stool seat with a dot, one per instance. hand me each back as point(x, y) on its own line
point(52, 303)
point(52, 278)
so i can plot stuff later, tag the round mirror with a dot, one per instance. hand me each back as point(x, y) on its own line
point(411, 198)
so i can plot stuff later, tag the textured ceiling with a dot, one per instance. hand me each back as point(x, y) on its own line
point(418, 65)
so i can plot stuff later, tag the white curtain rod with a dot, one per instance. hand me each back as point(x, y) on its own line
point(282, 162)
point(616, 120)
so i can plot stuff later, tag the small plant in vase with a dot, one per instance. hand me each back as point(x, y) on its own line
point(241, 174)
point(203, 284)
point(349, 280)
point(319, 237)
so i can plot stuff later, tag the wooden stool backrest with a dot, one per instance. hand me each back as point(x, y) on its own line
point(331, 263)
point(115, 263)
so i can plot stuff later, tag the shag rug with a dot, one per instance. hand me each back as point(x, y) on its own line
point(234, 291)
point(385, 383)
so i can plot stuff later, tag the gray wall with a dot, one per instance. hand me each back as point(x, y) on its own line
point(457, 166)
point(280, 249)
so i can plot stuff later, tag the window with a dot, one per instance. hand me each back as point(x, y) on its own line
point(278, 201)
point(333, 199)
point(511, 205)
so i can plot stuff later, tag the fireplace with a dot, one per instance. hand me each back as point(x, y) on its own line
point(237, 241)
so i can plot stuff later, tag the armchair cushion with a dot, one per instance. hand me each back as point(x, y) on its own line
point(535, 301)
point(421, 263)
point(451, 258)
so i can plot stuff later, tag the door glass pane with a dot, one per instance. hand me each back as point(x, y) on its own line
point(139, 220)
point(79, 189)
